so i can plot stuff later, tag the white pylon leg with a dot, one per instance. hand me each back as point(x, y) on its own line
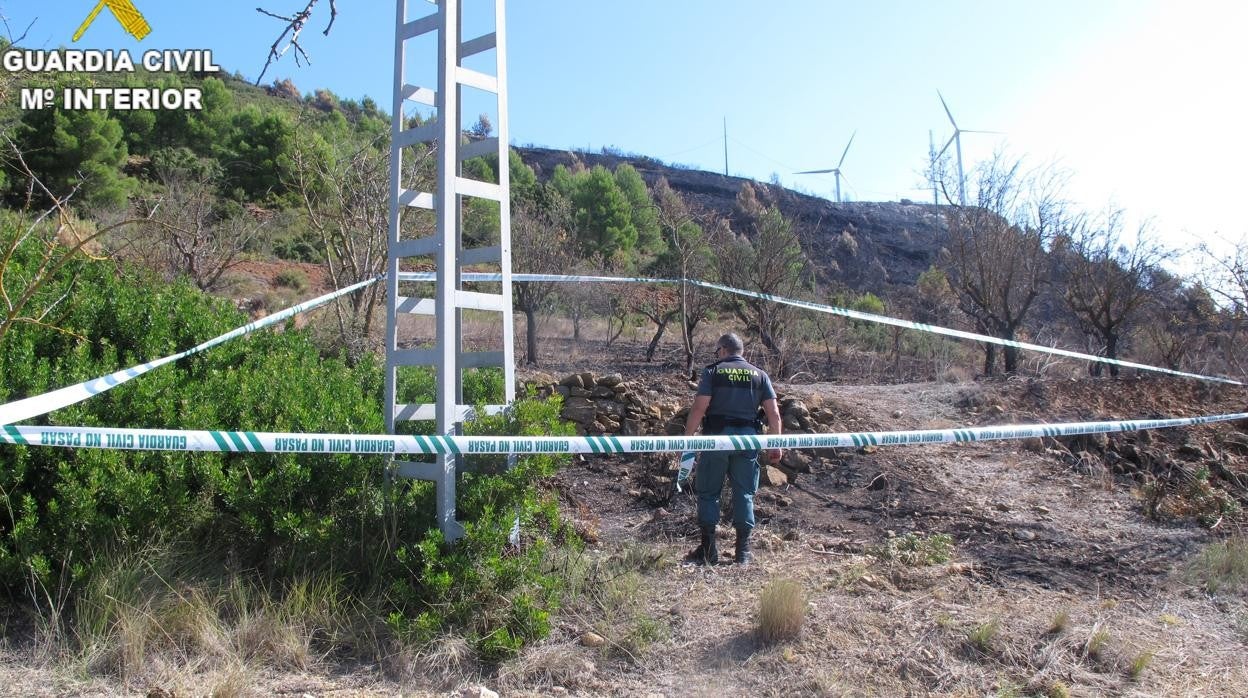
point(445, 247)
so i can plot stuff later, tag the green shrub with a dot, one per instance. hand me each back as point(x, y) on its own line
point(293, 279)
point(500, 595)
point(61, 509)
point(66, 513)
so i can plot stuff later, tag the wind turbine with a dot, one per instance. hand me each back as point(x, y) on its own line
point(956, 139)
point(835, 170)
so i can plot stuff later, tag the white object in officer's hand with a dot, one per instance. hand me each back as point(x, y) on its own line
point(687, 460)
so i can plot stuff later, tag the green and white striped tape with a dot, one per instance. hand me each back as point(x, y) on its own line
point(27, 408)
point(274, 442)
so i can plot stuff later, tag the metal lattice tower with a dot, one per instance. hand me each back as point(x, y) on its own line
point(445, 247)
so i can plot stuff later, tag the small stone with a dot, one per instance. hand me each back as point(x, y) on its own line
point(587, 380)
point(1002, 506)
point(1041, 509)
point(611, 380)
point(867, 450)
point(773, 477)
point(592, 639)
point(477, 692)
point(1024, 534)
point(1033, 445)
point(896, 414)
point(572, 381)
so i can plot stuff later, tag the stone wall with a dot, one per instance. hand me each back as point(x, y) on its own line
point(608, 404)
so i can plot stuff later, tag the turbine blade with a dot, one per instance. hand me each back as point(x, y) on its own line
point(951, 140)
point(995, 133)
point(851, 142)
point(816, 171)
point(947, 112)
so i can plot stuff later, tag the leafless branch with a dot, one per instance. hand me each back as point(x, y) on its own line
point(8, 30)
point(290, 35)
point(53, 257)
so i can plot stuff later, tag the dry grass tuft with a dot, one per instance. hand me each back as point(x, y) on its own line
point(445, 661)
point(781, 610)
point(1221, 566)
point(981, 637)
point(915, 550)
point(234, 681)
point(553, 664)
point(1061, 621)
point(610, 595)
point(157, 613)
point(1098, 640)
point(1140, 663)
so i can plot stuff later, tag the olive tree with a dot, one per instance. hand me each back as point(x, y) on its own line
point(1109, 278)
point(996, 259)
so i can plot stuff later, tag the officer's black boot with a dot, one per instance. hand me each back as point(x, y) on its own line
point(743, 546)
point(707, 553)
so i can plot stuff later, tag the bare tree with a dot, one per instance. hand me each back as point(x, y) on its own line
point(771, 264)
point(1225, 266)
point(996, 260)
point(658, 304)
point(1109, 279)
point(189, 224)
point(345, 190)
point(691, 236)
point(541, 243)
point(1179, 322)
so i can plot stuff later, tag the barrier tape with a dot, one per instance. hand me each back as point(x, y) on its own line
point(19, 410)
point(833, 310)
point(42, 404)
point(936, 329)
point(274, 442)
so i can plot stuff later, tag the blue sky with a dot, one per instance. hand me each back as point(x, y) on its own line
point(1142, 100)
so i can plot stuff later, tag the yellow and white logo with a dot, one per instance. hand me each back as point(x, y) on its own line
point(126, 13)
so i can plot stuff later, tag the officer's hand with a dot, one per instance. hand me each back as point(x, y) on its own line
point(775, 454)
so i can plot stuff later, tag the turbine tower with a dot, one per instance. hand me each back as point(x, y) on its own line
point(835, 170)
point(931, 166)
point(956, 140)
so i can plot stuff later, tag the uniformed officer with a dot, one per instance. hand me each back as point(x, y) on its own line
point(729, 395)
